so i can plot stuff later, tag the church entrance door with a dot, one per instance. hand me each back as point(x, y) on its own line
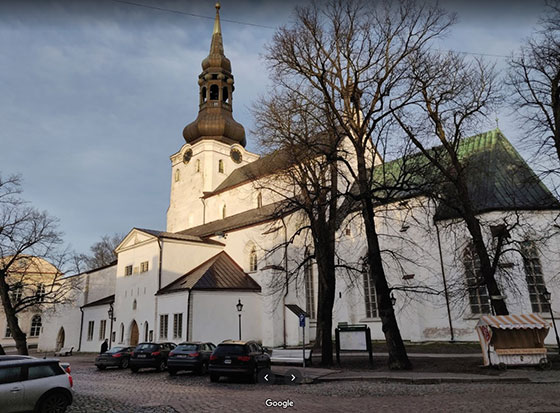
point(134, 334)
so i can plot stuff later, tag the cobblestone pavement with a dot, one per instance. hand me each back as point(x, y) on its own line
point(120, 391)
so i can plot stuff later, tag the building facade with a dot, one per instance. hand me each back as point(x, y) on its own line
point(218, 250)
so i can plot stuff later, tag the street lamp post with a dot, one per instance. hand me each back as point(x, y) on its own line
point(239, 309)
point(546, 295)
point(110, 313)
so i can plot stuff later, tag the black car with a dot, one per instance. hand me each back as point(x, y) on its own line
point(115, 357)
point(238, 358)
point(150, 355)
point(193, 356)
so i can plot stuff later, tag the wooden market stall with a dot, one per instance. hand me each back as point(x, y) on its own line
point(512, 340)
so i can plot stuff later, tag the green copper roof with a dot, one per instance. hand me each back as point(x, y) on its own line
point(497, 178)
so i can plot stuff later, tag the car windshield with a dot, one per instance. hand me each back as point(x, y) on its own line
point(187, 347)
point(116, 350)
point(229, 349)
point(146, 346)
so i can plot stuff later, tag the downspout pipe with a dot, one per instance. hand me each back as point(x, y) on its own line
point(444, 284)
point(187, 330)
point(81, 329)
point(286, 282)
point(160, 245)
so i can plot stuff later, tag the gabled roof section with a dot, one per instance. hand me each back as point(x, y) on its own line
point(143, 234)
point(220, 272)
point(498, 178)
point(242, 220)
point(262, 167)
point(103, 301)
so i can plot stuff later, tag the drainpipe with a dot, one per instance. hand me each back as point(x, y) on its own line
point(81, 329)
point(444, 283)
point(160, 245)
point(287, 280)
point(187, 330)
point(203, 200)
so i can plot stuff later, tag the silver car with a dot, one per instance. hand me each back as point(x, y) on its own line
point(29, 384)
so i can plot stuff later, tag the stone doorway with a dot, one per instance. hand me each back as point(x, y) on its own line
point(134, 334)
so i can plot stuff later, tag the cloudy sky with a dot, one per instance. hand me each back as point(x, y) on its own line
point(94, 95)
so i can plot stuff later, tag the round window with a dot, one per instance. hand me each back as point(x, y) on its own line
point(187, 156)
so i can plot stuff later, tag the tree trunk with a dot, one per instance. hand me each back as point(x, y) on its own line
point(325, 258)
point(11, 317)
point(486, 269)
point(398, 359)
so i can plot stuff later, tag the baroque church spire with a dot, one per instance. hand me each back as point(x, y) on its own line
point(215, 119)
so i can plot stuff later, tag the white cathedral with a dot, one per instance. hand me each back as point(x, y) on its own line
point(184, 283)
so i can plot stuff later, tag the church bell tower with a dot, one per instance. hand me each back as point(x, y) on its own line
point(214, 145)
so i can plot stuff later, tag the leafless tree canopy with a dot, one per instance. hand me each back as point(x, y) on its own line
point(354, 56)
point(31, 259)
point(103, 251)
point(534, 78)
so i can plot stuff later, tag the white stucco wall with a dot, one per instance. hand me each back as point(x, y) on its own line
point(215, 317)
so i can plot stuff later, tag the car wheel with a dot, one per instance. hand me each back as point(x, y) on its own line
point(214, 378)
point(254, 375)
point(161, 366)
point(545, 364)
point(55, 402)
point(172, 372)
point(124, 364)
point(101, 367)
point(134, 369)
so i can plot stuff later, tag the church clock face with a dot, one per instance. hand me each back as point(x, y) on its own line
point(187, 156)
point(235, 155)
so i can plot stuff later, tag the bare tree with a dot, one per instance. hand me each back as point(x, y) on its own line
point(30, 259)
point(103, 251)
point(448, 98)
point(354, 55)
point(307, 184)
point(534, 77)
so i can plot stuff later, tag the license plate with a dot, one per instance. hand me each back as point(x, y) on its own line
point(141, 356)
point(227, 361)
point(182, 356)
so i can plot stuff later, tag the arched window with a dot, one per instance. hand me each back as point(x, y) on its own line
point(134, 304)
point(41, 292)
point(253, 259)
point(214, 92)
point(224, 211)
point(370, 293)
point(197, 165)
point(177, 175)
point(203, 94)
point(534, 277)
point(35, 326)
point(478, 294)
point(122, 333)
point(309, 287)
point(221, 166)
point(225, 94)
point(259, 200)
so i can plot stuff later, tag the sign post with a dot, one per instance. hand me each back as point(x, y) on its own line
point(353, 337)
point(302, 325)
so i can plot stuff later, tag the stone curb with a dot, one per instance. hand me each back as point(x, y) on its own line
point(429, 380)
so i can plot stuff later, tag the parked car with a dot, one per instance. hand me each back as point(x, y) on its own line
point(30, 384)
point(115, 357)
point(238, 358)
point(150, 355)
point(193, 356)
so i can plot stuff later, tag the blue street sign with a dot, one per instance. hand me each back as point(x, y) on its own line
point(302, 320)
